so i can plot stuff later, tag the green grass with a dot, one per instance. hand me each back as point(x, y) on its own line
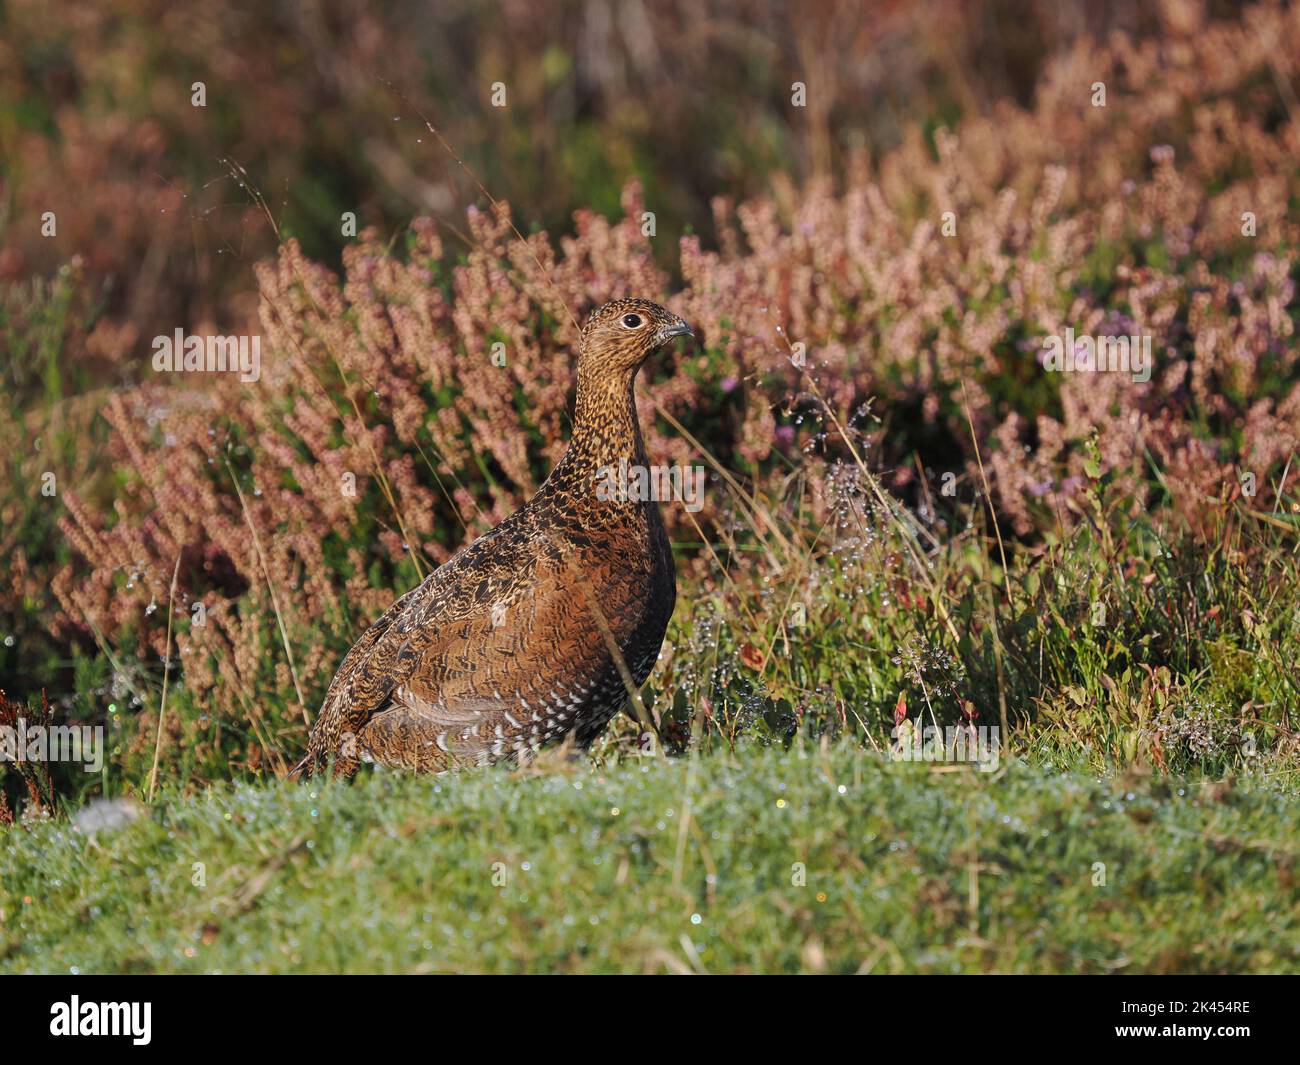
point(672, 864)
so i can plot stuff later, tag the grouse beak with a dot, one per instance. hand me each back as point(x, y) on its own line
point(677, 329)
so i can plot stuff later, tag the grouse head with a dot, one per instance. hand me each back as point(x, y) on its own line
point(620, 336)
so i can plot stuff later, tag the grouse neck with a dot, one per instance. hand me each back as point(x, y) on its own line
point(606, 431)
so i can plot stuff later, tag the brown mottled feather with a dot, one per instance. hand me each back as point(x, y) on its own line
point(504, 647)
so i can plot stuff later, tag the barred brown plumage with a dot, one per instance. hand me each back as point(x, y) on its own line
point(508, 645)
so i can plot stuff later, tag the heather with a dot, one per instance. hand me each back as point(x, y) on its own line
point(319, 106)
point(908, 519)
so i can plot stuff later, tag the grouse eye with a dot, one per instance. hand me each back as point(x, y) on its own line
point(631, 320)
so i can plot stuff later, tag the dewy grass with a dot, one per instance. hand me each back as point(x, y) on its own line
point(815, 859)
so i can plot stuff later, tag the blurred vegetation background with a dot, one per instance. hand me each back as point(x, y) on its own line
point(319, 105)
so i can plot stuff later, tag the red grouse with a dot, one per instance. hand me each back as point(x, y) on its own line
point(526, 635)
